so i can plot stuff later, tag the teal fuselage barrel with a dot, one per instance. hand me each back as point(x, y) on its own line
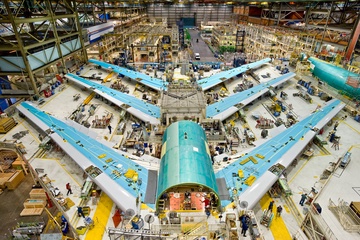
point(334, 76)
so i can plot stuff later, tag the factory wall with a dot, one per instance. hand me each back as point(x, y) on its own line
point(199, 12)
point(40, 58)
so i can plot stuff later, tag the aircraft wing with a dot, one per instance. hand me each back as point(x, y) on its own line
point(114, 173)
point(154, 83)
point(214, 80)
point(226, 107)
point(262, 166)
point(147, 112)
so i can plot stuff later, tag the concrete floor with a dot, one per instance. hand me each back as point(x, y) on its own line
point(201, 47)
point(306, 174)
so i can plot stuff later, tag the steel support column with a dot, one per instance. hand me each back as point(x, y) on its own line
point(327, 23)
point(79, 29)
point(27, 69)
point(353, 40)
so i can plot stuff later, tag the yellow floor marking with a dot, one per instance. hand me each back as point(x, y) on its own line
point(287, 209)
point(31, 132)
point(298, 171)
point(354, 129)
point(277, 227)
point(100, 218)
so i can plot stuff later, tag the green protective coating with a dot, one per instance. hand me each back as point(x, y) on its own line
point(185, 158)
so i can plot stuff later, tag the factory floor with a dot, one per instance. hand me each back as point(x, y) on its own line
point(302, 177)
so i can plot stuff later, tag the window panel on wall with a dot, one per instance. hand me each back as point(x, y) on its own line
point(207, 12)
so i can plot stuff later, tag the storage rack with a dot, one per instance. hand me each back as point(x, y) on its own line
point(240, 40)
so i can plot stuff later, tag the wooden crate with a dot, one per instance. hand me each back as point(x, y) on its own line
point(38, 193)
point(6, 124)
point(4, 177)
point(15, 180)
point(19, 164)
point(31, 212)
point(356, 207)
point(34, 203)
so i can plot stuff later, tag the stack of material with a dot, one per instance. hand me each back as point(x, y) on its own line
point(264, 123)
point(6, 124)
point(38, 193)
point(34, 206)
point(15, 180)
point(4, 177)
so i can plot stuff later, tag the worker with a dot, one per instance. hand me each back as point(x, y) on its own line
point(109, 127)
point(80, 212)
point(68, 188)
point(271, 204)
point(207, 212)
point(94, 197)
point(336, 125)
point(332, 137)
point(150, 148)
point(207, 203)
point(279, 210)
point(335, 143)
point(303, 198)
point(64, 227)
point(242, 219)
point(165, 196)
point(244, 227)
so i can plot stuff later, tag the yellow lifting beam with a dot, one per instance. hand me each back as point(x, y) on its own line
point(89, 98)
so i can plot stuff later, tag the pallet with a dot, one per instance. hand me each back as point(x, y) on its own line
point(34, 203)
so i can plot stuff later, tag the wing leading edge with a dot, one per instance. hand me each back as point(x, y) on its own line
point(226, 107)
point(116, 174)
point(154, 83)
point(214, 80)
point(281, 149)
point(145, 111)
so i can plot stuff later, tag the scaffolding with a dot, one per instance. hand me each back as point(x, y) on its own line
point(348, 219)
